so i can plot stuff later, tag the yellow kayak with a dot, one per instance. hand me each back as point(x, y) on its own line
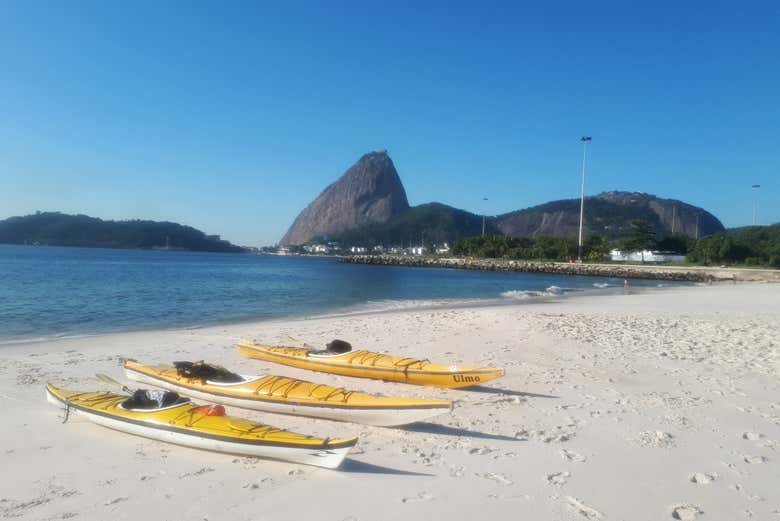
point(283, 395)
point(167, 417)
point(366, 364)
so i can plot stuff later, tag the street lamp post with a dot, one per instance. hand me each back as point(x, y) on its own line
point(755, 201)
point(585, 140)
point(484, 216)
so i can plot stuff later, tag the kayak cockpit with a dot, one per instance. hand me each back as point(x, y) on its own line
point(333, 349)
point(213, 374)
point(144, 400)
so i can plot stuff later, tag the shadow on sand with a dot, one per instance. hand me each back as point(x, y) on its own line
point(508, 392)
point(434, 428)
point(359, 467)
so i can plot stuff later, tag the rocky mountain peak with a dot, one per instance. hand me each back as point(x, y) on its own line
point(369, 192)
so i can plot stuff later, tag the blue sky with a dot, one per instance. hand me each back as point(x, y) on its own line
point(232, 116)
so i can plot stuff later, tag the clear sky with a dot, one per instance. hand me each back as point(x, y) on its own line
point(232, 116)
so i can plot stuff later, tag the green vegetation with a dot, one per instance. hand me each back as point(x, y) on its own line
point(753, 246)
point(641, 237)
point(428, 224)
point(539, 248)
point(58, 229)
point(676, 243)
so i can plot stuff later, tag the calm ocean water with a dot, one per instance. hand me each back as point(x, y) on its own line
point(54, 291)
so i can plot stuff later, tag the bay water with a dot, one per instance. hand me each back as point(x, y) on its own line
point(59, 291)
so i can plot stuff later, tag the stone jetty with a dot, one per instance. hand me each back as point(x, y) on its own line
point(624, 271)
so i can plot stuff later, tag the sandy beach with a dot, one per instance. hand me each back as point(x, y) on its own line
point(663, 404)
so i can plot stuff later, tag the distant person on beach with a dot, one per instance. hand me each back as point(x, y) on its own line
point(626, 284)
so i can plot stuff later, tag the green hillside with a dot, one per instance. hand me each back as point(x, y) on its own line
point(58, 229)
point(432, 223)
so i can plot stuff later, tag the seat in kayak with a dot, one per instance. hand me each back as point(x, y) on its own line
point(144, 399)
point(207, 372)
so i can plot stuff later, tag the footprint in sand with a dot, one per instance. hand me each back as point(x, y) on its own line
point(422, 496)
point(583, 509)
point(558, 478)
point(702, 479)
point(752, 436)
point(750, 496)
point(754, 459)
point(658, 439)
point(500, 478)
point(199, 472)
point(686, 512)
point(457, 472)
point(570, 455)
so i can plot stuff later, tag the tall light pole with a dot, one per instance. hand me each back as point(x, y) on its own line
point(484, 216)
point(585, 140)
point(755, 201)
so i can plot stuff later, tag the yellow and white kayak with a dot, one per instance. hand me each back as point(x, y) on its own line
point(283, 395)
point(366, 364)
point(184, 423)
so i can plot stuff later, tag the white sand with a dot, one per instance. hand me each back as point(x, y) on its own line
point(662, 405)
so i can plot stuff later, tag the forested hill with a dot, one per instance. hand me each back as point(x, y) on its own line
point(427, 223)
point(610, 214)
point(58, 229)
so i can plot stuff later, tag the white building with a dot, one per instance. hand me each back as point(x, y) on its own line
point(357, 249)
point(645, 256)
point(317, 248)
point(444, 248)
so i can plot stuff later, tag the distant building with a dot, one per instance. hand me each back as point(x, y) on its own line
point(444, 248)
point(416, 250)
point(357, 249)
point(317, 248)
point(645, 256)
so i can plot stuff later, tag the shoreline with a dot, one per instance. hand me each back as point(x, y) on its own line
point(357, 310)
point(671, 397)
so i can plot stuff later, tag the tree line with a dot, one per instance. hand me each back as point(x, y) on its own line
point(755, 245)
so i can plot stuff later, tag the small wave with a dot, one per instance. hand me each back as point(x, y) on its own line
point(522, 294)
point(19, 340)
point(602, 285)
point(381, 306)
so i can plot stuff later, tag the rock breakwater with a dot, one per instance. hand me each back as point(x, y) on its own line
point(625, 271)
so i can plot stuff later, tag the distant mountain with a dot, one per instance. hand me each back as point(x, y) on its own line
point(367, 206)
point(430, 223)
point(369, 192)
point(58, 229)
point(609, 214)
